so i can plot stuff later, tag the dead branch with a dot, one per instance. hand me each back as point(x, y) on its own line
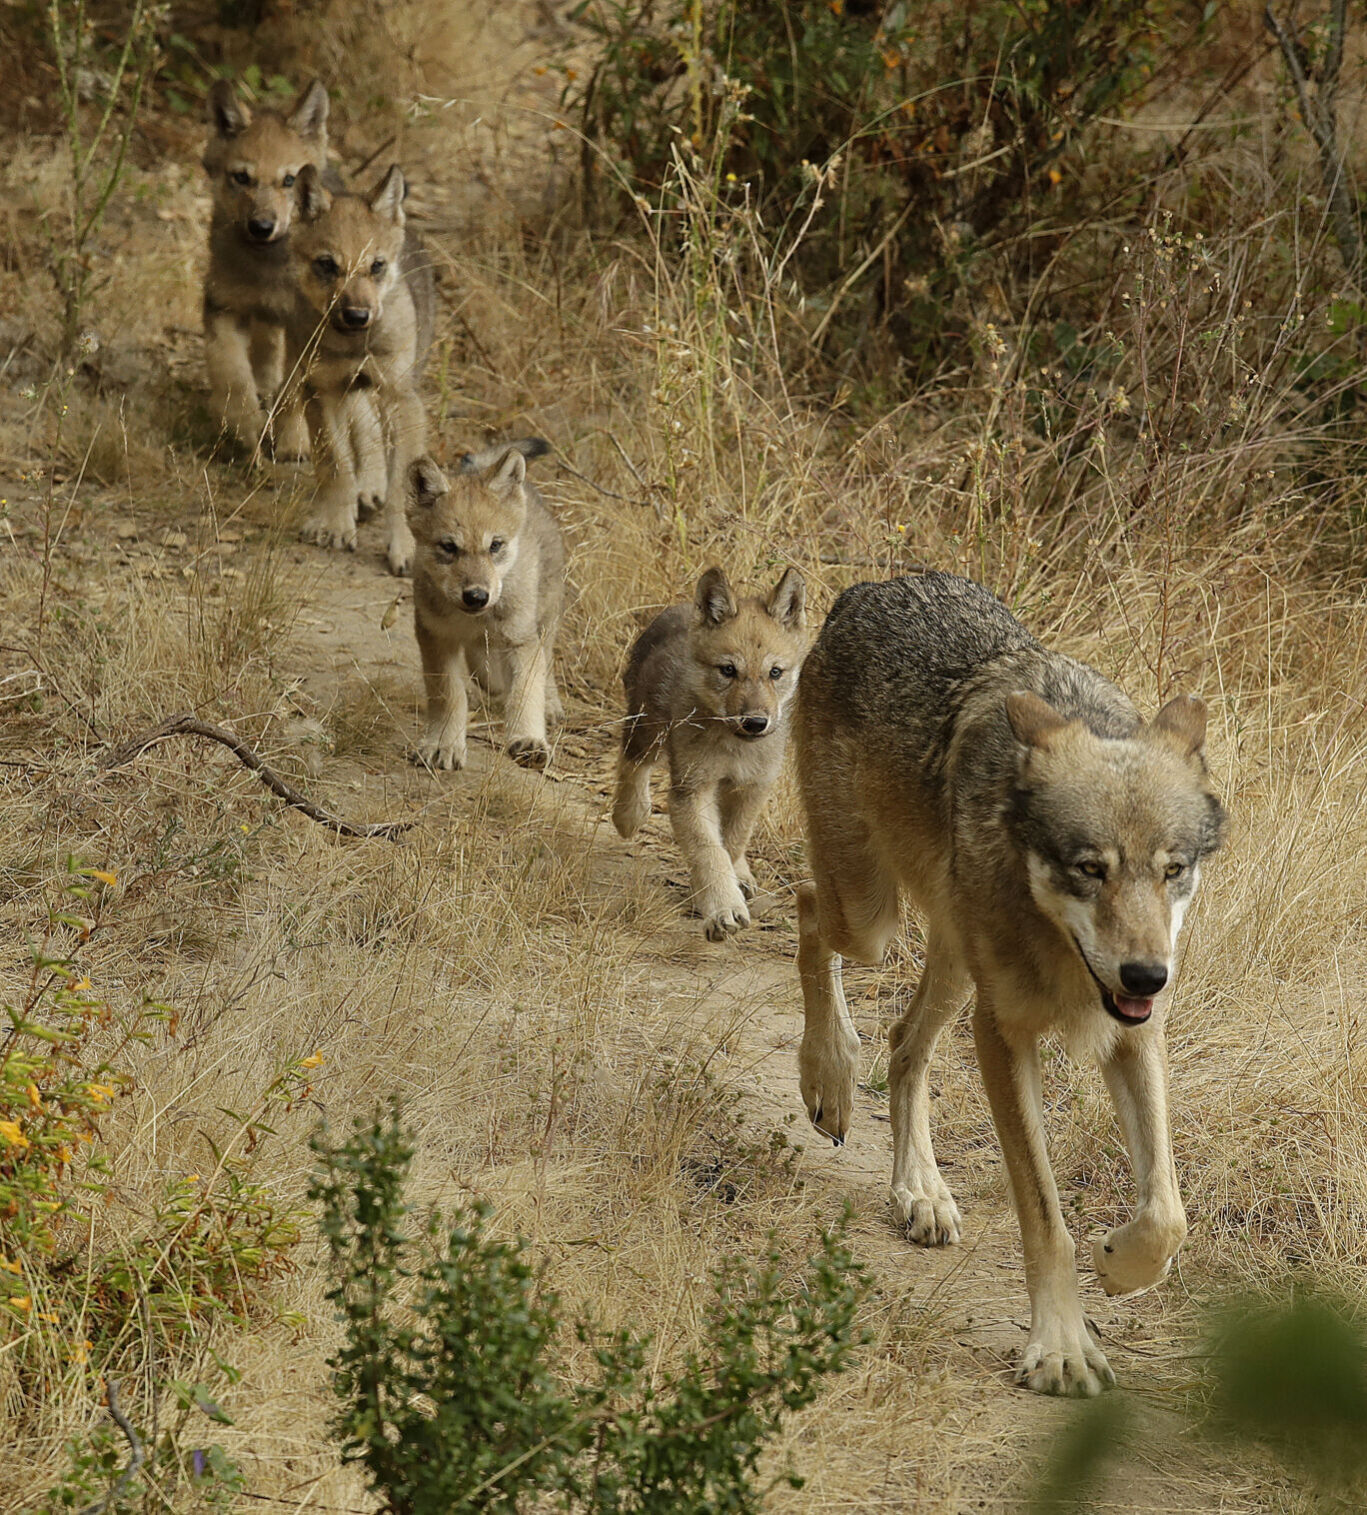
point(1321, 119)
point(135, 1459)
point(189, 725)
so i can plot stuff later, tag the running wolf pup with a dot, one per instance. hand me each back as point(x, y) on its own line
point(709, 684)
point(357, 337)
point(1051, 841)
point(254, 159)
point(488, 593)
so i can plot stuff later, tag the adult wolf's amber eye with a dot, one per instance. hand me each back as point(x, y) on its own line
point(377, 268)
point(1174, 870)
point(1091, 868)
point(325, 267)
point(241, 176)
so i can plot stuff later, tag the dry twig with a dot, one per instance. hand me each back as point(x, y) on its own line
point(189, 725)
point(135, 1460)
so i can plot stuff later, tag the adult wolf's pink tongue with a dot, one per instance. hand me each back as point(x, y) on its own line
point(1134, 1009)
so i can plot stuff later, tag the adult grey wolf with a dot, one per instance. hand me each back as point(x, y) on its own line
point(709, 684)
point(488, 594)
point(1052, 841)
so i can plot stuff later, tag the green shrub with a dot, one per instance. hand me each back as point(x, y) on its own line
point(451, 1398)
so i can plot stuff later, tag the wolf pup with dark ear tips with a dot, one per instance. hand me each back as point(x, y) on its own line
point(359, 330)
point(1051, 841)
point(708, 684)
point(488, 593)
point(254, 159)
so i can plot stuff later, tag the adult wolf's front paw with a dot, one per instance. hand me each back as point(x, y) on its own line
point(746, 879)
point(1136, 1256)
point(723, 913)
point(330, 528)
point(928, 1213)
point(439, 753)
point(1062, 1358)
point(828, 1070)
point(529, 752)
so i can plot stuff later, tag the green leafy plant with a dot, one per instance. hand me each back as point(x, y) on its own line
point(450, 1395)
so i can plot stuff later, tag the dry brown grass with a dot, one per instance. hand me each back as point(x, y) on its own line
point(564, 1045)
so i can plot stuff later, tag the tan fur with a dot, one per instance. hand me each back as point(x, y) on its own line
point(1051, 842)
point(488, 592)
point(709, 684)
point(358, 333)
point(254, 159)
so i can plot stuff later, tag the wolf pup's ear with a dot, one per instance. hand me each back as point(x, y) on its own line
point(1034, 721)
point(714, 599)
point(507, 472)
point(311, 194)
point(426, 483)
point(228, 116)
point(788, 603)
point(310, 117)
point(1183, 722)
point(386, 198)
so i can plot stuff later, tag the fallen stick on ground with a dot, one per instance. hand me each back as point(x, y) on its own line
point(189, 725)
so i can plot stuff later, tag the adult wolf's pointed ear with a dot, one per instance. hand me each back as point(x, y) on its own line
point(311, 194)
point(788, 603)
point(310, 117)
point(426, 483)
point(386, 199)
point(714, 599)
point(1034, 721)
point(228, 116)
point(507, 472)
point(1183, 722)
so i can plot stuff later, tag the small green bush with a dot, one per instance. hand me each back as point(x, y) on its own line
point(450, 1395)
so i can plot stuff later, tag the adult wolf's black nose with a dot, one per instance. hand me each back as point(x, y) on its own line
point(261, 229)
point(1143, 979)
point(356, 316)
point(755, 725)
point(474, 598)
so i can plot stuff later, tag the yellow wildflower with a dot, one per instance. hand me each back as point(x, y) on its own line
point(47, 1316)
point(99, 1092)
point(82, 986)
point(34, 1098)
point(21, 1302)
point(9, 1129)
point(1055, 177)
point(11, 1267)
point(316, 1061)
point(105, 876)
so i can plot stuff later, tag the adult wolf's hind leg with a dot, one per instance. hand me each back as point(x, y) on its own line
point(920, 1196)
point(828, 1059)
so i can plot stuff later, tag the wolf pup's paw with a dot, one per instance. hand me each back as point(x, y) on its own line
point(290, 439)
point(828, 1070)
point(1062, 1358)
point(1135, 1256)
point(529, 752)
point(928, 1214)
point(444, 756)
point(400, 549)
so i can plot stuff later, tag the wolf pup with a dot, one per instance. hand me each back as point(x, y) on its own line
point(488, 592)
point(357, 337)
point(1052, 841)
point(253, 160)
point(709, 683)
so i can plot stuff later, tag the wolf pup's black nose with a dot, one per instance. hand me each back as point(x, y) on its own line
point(261, 229)
point(1143, 979)
point(755, 725)
point(356, 316)
point(475, 598)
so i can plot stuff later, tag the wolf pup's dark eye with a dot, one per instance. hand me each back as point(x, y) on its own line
point(240, 176)
point(325, 267)
point(287, 180)
point(775, 672)
point(727, 670)
point(497, 546)
point(377, 268)
point(447, 548)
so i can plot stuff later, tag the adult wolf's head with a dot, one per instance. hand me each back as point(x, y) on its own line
point(1113, 832)
point(346, 251)
point(746, 653)
point(254, 159)
point(469, 530)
